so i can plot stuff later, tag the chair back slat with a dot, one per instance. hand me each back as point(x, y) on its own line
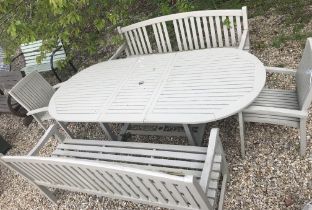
point(304, 77)
point(32, 92)
point(112, 180)
point(186, 31)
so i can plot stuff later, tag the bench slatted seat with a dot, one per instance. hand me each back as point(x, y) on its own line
point(186, 31)
point(32, 50)
point(284, 107)
point(172, 176)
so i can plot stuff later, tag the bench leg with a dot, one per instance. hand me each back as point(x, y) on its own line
point(242, 133)
point(303, 136)
point(105, 127)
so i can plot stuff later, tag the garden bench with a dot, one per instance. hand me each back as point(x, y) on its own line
point(32, 50)
point(285, 107)
point(186, 31)
point(172, 176)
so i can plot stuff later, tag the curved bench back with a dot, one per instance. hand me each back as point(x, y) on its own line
point(186, 31)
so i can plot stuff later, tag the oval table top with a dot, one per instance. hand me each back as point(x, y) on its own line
point(190, 87)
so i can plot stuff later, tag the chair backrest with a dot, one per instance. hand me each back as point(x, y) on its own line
point(32, 50)
point(186, 31)
point(32, 92)
point(304, 77)
point(112, 180)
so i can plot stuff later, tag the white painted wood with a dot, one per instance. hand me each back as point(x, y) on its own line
point(286, 107)
point(160, 88)
point(32, 50)
point(174, 189)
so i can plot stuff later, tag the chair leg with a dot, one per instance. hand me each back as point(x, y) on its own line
point(242, 133)
point(40, 122)
point(303, 136)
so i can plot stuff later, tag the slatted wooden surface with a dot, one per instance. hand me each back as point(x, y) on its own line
point(186, 31)
point(183, 87)
point(32, 50)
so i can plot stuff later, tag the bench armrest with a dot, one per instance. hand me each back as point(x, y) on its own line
point(270, 69)
point(276, 111)
point(36, 111)
point(243, 41)
point(119, 51)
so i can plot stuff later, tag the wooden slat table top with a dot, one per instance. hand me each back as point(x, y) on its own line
point(189, 87)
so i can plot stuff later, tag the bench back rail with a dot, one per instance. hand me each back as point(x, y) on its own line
point(112, 181)
point(186, 31)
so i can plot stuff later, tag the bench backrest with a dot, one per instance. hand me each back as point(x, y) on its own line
point(100, 178)
point(186, 31)
point(304, 77)
point(32, 92)
point(32, 50)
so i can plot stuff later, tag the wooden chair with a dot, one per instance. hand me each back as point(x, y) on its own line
point(33, 92)
point(172, 176)
point(32, 50)
point(284, 107)
point(186, 31)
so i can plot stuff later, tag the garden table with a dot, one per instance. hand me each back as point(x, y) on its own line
point(190, 87)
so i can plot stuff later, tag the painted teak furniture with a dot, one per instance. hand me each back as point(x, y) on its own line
point(172, 176)
point(33, 92)
point(32, 50)
point(285, 107)
point(186, 31)
point(185, 88)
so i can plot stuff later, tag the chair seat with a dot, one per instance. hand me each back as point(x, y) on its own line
point(276, 98)
point(171, 159)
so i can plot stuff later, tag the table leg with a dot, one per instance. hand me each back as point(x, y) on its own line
point(123, 131)
point(105, 127)
point(194, 133)
point(242, 133)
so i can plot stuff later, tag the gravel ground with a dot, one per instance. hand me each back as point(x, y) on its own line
point(272, 176)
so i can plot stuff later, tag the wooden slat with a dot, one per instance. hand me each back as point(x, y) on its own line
point(157, 38)
point(219, 33)
point(177, 33)
point(142, 40)
point(162, 39)
point(147, 40)
point(225, 32)
point(181, 27)
point(232, 31)
point(212, 31)
point(188, 33)
point(138, 41)
point(200, 31)
point(167, 36)
point(194, 33)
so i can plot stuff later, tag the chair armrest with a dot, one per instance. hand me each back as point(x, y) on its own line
point(270, 69)
point(43, 140)
point(243, 40)
point(119, 51)
point(36, 111)
point(13, 59)
point(276, 111)
point(58, 85)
